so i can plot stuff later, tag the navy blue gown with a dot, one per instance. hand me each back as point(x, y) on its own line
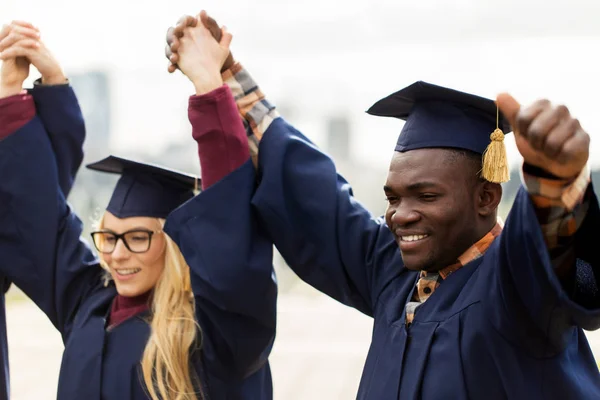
point(231, 268)
point(501, 327)
point(59, 111)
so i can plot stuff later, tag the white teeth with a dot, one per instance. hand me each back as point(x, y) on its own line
point(128, 271)
point(412, 238)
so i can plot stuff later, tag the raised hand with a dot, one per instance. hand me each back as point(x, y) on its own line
point(175, 33)
point(547, 136)
point(23, 42)
point(201, 56)
point(16, 69)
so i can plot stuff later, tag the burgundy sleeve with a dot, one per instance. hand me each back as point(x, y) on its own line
point(218, 129)
point(15, 112)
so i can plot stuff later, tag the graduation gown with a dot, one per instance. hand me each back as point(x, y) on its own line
point(57, 107)
point(58, 271)
point(59, 111)
point(501, 327)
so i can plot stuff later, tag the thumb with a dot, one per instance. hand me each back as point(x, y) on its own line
point(509, 107)
point(226, 38)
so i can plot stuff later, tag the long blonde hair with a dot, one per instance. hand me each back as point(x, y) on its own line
point(175, 333)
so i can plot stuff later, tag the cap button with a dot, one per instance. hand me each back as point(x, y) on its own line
point(497, 135)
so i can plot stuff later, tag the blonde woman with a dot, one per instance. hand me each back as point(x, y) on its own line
point(150, 318)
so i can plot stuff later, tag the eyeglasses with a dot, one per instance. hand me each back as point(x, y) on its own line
point(136, 240)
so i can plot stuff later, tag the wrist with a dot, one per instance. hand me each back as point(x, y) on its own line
point(10, 90)
point(204, 86)
point(57, 78)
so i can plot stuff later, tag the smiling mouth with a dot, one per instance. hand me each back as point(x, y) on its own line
point(127, 271)
point(413, 238)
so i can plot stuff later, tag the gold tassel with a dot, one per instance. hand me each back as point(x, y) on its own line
point(495, 166)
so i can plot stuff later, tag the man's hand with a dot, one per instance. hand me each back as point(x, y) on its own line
point(174, 34)
point(547, 136)
point(15, 69)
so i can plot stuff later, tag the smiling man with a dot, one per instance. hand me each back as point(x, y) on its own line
point(463, 307)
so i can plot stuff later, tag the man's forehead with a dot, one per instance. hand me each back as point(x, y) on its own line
point(428, 165)
point(422, 157)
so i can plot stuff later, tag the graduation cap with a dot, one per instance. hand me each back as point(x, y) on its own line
point(145, 190)
point(437, 116)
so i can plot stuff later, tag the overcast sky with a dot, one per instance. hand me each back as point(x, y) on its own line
point(323, 57)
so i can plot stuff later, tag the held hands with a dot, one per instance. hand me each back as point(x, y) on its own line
point(175, 33)
point(15, 70)
point(21, 41)
point(192, 47)
point(547, 136)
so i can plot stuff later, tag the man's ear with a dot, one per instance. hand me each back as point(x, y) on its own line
point(489, 196)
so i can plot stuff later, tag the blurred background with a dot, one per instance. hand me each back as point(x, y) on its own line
point(323, 63)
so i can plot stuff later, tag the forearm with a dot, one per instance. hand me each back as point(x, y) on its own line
point(256, 111)
point(219, 133)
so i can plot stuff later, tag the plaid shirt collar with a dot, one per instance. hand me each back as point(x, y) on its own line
point(472, 253)
point(428, 282)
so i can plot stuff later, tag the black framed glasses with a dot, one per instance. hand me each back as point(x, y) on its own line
point(135, 240)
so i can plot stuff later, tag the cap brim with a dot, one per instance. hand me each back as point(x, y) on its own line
point(400, 104)
point(117, 165)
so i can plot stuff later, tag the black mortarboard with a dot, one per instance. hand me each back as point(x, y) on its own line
point(145, 190)
point(441, 117)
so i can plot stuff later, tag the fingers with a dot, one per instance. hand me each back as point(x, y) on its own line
point(171, 56)
point(226, 38)
point(21, 49)
point(210, 24)
point(175, 33)
point(24, 24)
point(187, 20)
point(544, 123)
point(173, 42)
point(171, 50)
point(4, 31)
point(17, 33)
point(183, 23)
point(525, 117)
point(170, 35)
point(548, 129)
point(547, 136)
point(559, 136)
point(203, 16)
point(575, 148)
